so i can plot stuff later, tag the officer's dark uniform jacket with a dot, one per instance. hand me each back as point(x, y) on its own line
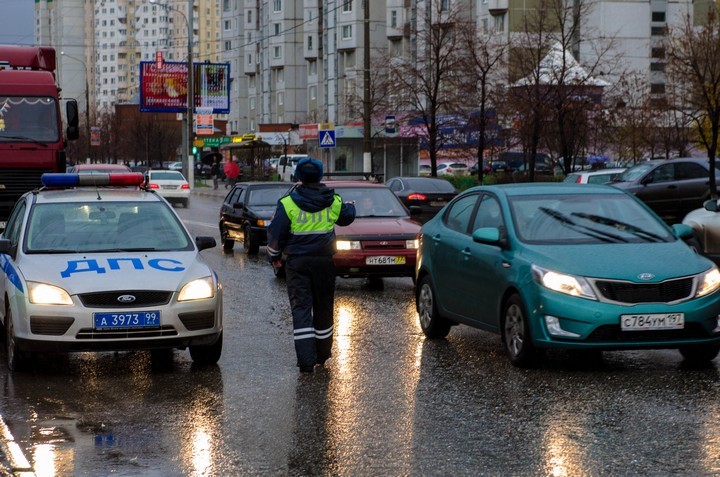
point(303, 222)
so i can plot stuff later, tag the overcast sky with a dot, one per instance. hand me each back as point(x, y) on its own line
point(17, 22)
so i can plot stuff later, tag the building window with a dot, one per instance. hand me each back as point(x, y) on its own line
point(277, 52)
point(310, 43)
point(500, 23)
point(347, 32)
point(658, 31)
point(280, 76)
point(444, 5)
point(396, 47)
point(657, 66)
point(249, 59)
point(312, 68)
point(658, 52)
point(347, 6)
point(281, 98)
point(277, 5)
point(249, 17)
point(313, 93)
point(393, 18)
point(658, 16)
point(227, 25)
point(252, 104)
point(228, 45)
point(277, 29)
point(657, 88)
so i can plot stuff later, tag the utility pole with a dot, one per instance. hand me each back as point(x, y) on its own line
point(367, 123)
point(190, 98)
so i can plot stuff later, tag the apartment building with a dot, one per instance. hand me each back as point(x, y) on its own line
point(104, 41)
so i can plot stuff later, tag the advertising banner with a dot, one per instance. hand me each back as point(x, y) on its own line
point(164, 88)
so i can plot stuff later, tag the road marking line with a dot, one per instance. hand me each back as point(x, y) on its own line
point(18, 462)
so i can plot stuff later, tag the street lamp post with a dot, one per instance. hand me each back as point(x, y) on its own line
point(87, 101)
point(188, 166)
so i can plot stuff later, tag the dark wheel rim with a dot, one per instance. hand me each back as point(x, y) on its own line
point(246, 240)
point(425, 305)
point(514, 329)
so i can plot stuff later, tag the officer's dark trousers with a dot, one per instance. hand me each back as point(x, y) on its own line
point(311, 288)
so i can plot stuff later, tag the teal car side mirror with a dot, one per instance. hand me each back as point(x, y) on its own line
point(489, 235)
point(683, 231)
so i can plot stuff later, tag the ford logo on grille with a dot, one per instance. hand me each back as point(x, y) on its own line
point(646, 276)
point(126, 298)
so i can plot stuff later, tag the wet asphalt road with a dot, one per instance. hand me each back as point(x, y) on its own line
point(389, 403)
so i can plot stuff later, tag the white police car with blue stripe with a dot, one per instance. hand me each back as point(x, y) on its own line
point(96, 262)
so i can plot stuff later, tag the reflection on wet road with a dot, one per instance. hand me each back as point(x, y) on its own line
point(388, 403)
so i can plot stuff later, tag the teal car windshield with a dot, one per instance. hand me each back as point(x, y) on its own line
point(571, 219)
point(81, 227)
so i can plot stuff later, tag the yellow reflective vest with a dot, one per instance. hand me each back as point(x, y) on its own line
point(308, 223)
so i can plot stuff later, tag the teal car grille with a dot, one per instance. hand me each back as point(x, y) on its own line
point(665, 292)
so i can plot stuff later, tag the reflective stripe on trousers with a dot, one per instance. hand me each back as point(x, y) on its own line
point(311, 289)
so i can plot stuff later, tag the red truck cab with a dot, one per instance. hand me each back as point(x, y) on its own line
point(31, 133)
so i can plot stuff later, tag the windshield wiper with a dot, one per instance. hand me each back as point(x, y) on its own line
point(24, 138)
point(651, 237)
point(589, 231)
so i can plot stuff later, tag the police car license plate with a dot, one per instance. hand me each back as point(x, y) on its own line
point(659, 321)
point(385, 260)
point(121, 319)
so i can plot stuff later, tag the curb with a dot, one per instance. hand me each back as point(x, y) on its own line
point(14, 461)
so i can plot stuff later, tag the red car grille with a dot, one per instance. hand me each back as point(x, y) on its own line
point(384, 245)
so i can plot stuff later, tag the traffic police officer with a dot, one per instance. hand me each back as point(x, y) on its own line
point(302, 233)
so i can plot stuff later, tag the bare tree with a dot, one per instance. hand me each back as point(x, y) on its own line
point(486, 52)
point(554, 92)
point(428, 86)
point(693, 51)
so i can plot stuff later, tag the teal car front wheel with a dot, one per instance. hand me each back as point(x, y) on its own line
point(516, 333)
point(699, 354)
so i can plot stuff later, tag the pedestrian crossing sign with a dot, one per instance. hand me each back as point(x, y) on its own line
point(326, 138)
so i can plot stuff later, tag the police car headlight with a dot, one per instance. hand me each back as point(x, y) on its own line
point(347, 244)
point(199, 289)
point(44, 294)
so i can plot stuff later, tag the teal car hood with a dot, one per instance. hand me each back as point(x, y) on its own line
point(619, 261)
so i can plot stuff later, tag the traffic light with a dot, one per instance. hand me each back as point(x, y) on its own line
point(194, 150)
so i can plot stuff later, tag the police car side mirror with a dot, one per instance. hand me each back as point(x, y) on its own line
point(204, 242)
point(5, 246)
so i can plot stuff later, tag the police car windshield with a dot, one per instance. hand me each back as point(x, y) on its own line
point(83, 227)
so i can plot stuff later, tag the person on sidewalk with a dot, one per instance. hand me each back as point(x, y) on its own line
point(214, 172)
point(232, 171)
point(302, 232)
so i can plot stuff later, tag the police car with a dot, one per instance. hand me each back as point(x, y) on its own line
point(97, 263)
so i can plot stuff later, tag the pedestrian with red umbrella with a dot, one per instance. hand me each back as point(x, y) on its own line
point(232, 171)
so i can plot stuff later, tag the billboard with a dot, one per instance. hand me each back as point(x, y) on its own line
point(163, 87)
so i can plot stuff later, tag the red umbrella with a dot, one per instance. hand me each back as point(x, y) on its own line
point(232, 169)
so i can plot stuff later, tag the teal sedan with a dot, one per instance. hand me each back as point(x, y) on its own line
point(579, 267)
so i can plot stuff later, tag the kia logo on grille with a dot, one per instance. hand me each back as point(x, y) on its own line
point(646, 276)
point(126, 298)
point(383, 243)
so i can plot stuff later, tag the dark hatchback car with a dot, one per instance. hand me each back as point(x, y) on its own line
point(672, 187)
point(427, 193)
point(246, 213)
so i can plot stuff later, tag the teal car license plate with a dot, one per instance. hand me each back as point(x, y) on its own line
point(122, 319)
point(657, 321)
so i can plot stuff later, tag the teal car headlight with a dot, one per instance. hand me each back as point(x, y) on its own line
point(44, 294)
point(563, 283)
point(200, 289)
point(708, 282)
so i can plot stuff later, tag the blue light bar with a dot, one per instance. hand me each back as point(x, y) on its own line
point(94, 179)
